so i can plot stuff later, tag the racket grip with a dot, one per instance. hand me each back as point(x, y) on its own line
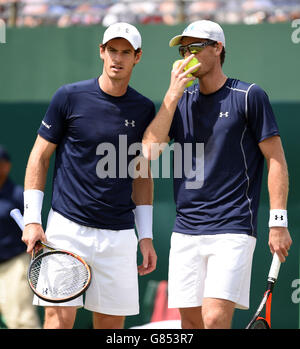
point(17, 216)
point(275, 266)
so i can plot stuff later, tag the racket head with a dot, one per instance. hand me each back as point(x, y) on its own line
point(260, 307)
point(58, 276)
point(260, 324)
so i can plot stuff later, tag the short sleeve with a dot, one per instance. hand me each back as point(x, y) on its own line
point(260, 115)
point(53, 124)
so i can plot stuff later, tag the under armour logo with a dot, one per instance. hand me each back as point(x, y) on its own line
point(132, 123)
point(226, 114)
point(277, 217)
point(46, 125)
point(119, 29)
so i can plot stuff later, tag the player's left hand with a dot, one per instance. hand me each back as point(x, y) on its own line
point(280, 242)
point(149, 257)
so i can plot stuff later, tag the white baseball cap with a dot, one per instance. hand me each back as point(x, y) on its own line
point(125, 31)
point(203, 30)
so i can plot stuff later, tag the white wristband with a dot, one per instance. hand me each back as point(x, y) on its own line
point(278, 218)
point(33, 202)
point(143, 221)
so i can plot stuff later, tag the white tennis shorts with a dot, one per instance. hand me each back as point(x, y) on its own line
point(112, 256)
point(210, 266)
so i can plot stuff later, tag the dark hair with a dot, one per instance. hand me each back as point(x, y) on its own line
point(222, 56)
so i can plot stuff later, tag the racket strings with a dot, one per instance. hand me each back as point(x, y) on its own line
point(58, 275)
point(260, 324)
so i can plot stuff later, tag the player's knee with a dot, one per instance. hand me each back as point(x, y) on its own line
point(216, 319)
point(56, 318)
point(211, 321)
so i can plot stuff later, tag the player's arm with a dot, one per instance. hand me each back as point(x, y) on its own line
point(278, 186)
point(35, 180)
point(142, 196)
point(142, 186)
point(158, 130)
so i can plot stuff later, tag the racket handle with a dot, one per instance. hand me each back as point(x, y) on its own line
point(275, 266)
point(17, 216)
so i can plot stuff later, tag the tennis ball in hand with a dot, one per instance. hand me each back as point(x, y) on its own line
point(179, 62)
point(190, 83)
point(192, 62)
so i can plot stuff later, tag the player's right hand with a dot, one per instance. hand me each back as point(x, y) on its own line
point(32, 233)
point(179, 77)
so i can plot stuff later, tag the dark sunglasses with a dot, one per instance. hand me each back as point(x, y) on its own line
point(195, 48)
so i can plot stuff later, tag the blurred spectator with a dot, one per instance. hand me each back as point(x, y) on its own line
point(295, 14)
point(256, 5)
point(145, 11)
point(34, 7)
point(8, 11)
point(170, 11)
point(256, 11)
point(15, 295)
point(202, 9)
point(119, 12)
point(65, 13)
point(86, 14)
point(32, 13)
point(230, 12)
point(132, 11)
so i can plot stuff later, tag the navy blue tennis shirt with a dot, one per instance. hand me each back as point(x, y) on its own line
point(93, 131)
point(228, 124)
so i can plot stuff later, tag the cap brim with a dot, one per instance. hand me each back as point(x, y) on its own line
point(175, 41)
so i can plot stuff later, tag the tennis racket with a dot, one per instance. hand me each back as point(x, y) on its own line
point(55, 275)
point(258, 321)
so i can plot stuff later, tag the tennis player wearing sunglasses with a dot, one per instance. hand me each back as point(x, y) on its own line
point(195, 47)
point(215, 230)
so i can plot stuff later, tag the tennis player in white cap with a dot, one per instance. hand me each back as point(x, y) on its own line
point(215, 230)
point(94, 213)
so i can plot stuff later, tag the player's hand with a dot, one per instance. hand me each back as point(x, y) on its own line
point(149, 257)
point(31, 234)
point(280, 242)
point(179, 78)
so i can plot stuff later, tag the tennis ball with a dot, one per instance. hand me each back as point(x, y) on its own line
point(192, 62)
point(190, 83)
point(179, 62)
